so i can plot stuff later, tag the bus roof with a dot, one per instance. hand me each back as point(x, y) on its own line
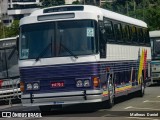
point(155, 33)
point(88, 9)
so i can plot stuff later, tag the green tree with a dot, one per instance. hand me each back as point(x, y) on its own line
point(48, 3)
point(153, 18)
point(2, 34)
point(11, 31)
point(76, 2)
point(146, 10)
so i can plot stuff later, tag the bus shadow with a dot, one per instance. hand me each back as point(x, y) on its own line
point(73, 110)
point(125, 98)
point(155, 85)
point(13, 101)
point(82, 110)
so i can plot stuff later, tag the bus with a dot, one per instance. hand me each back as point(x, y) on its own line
point(9, 71)
point(155, 50)
point(75, 54)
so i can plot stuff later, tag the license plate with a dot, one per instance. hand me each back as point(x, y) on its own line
point(57, 84)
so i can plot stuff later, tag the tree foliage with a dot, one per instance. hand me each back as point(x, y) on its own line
point(11, 31)
point(146, 10)
point(76, 2)
point(48, 3)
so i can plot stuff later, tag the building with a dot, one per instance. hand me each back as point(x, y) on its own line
point(16, 9)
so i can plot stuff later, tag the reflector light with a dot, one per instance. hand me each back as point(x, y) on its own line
point(95, 81)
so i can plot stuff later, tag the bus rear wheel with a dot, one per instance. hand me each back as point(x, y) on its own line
point(141, 92)
point(110, 102)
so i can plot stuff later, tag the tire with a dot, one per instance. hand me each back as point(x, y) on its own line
point(110, 101)
point(141, 92)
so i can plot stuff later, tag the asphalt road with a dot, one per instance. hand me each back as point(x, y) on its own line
point(125, 108)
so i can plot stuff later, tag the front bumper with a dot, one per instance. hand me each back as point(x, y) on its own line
point(63, 98)
point(155, 76)
point(9, 93)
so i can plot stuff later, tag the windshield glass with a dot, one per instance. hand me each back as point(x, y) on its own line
point(67, 38)
point(155, 48)
point(8, 67)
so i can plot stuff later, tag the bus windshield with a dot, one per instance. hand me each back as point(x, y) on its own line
point(8, 67)
point(67, 38)
point(156, 48)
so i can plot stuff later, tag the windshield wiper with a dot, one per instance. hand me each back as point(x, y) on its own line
point(43, 52)
point(69, 51)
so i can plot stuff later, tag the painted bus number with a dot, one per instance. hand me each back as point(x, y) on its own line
point(57, 84)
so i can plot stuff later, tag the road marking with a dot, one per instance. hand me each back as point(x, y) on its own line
point(158, 96)
point(130, 107)
point(108, 115)
point(142, 118)
point(150, 101)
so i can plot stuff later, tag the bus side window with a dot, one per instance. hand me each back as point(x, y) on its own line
point(133, 31)
point(108, 30)
point(140, 35)
point(128, 33)
point(146, 36)
point(126, 36)
point(118, 32)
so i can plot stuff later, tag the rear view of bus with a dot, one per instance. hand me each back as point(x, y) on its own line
point(155, 63)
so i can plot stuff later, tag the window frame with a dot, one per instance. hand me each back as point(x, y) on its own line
point(111, 23)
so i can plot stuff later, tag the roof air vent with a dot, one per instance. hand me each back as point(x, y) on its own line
point(64, 8)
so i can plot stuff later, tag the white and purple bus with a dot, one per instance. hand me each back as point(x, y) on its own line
point(75, 54)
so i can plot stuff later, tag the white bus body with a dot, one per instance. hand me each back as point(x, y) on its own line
point(115, 62)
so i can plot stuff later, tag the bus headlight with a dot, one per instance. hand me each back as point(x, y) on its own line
point(36, 86)
point(29, 86)
point(86, 83)
point(79, 83)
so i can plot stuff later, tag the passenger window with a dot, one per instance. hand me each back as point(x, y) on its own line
point(118, 32)
point(108, 30)
point(140, 36)
point(146, 36)
point(133, 32)
point(126, 36)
